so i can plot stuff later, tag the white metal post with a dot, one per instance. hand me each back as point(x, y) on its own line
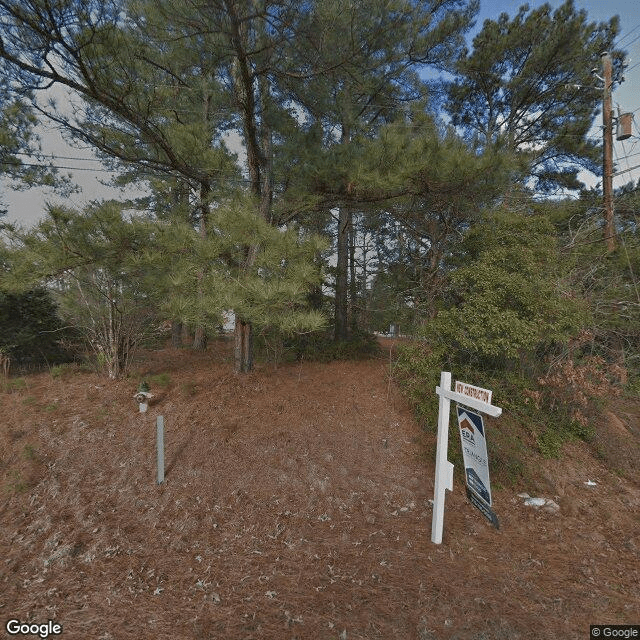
point(160, 445)
point(444, 469)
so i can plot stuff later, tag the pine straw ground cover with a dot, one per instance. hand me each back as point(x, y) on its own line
point(296, 505)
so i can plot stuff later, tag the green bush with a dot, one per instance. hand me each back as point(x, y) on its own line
point(508, 326)
point(31, 331)
point(67, 369)
point(505, 301)
point(16, 384)
point(321, 347)
point(29, 452)
point(317, 346)
point(417, 368)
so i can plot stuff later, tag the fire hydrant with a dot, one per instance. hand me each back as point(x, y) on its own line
point(143, 396)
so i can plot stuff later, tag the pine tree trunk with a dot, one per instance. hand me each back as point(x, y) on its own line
point(353, 284)
point(364, 294)
point(200, 339)
point(342, 266)
point(176, 334)
point(180, 191)
point(257, 141)
point(342, 273)
point(243, 350)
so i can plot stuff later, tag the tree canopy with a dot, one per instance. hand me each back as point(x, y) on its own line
point(332, 107)
point(527, 85)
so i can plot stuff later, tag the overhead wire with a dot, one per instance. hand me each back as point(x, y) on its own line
point(625, 35)
point(231, 177)
point(630, 68)
point(628, 44)
point(148, 172)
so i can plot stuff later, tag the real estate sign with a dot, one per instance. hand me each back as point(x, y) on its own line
point(473, 392)
point(476, 461)
point(474, 449)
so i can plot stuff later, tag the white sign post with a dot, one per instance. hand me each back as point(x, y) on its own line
point(470, 396)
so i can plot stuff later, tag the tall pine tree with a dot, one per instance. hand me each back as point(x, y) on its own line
point(527, 86)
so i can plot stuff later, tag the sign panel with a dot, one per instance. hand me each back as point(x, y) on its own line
point(476, 461)
point(484, 509)
point(473, 392)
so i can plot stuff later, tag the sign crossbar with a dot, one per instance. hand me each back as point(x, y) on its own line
point(468, 401)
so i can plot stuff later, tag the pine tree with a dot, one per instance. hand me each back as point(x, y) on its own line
point(87, 260)
point(527, 86)
point(360, 72)
point(163, 80)
point(423, 188)
point(115, 284)
point(21, 161)
point(31, 330)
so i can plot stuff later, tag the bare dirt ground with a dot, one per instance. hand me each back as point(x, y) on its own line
point(295, 505)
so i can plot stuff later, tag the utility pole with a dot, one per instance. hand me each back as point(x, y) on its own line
point(607, 159)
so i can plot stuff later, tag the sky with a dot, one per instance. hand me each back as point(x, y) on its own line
point(26, 207)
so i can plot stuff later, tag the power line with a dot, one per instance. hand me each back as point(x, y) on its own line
point(34, 165)
point(627, 34)
point(619, 173)
point(236, 180)
point(148, 172)
point(630, 43)
point(54, 157)
point(634, 66)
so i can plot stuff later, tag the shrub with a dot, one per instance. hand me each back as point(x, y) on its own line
point(505, 301)
point(320, 346)
point(66, 369)
point(508, 325)
point(30, 330)
point(17, 384)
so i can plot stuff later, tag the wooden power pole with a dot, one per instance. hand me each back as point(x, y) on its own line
point(607, 159)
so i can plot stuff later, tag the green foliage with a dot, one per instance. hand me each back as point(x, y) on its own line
point(606, 281)
point(506, 299)
point(65, 370)
point(320, 346)
point(31, 330)
point(189, 389)
point(209, 275)
point(20, 144)
point(358, 345)
point(551, 439)
point(89, 258)
point(17, 483)
point(15, 384)
point(522, 88)
point(114, 278)
point(29, 452)
point(159, 380)
point(510, 326)
point(418, 368)
point(416, 187)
